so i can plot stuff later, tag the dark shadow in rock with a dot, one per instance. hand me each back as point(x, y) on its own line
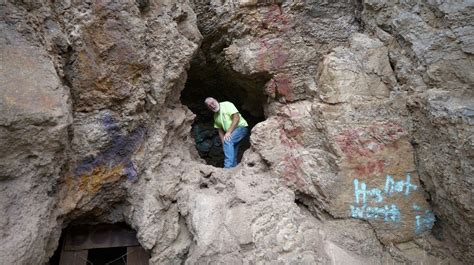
point(99, 244)
point(210, 80)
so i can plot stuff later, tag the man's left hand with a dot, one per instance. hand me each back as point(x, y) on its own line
point(227, 136)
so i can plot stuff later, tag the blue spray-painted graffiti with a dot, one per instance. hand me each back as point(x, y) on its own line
point(118, 152)
point(392, 186)
point(362, 193)
point(388, 212)
point(423, 221)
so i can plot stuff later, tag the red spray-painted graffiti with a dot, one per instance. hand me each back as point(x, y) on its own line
point(272, 55)
point(292, 162)
point(291, 175)
point(369, 140)
point(279, 85)
point(363, 146)
point(372, 167)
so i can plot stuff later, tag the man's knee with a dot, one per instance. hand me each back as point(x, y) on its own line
point(228, 143)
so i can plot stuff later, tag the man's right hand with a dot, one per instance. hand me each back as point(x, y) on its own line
point(227, 136)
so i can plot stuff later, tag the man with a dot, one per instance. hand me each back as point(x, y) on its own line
point(232, 128)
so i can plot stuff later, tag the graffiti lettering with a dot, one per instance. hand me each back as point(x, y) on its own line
point(362, 193)
point(423, 221)
point(392, 186)
point(389, 213)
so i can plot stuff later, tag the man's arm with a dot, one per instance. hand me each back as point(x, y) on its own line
point(221, 134)
point(233, 125)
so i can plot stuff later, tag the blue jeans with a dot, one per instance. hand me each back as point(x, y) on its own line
point(231, 147)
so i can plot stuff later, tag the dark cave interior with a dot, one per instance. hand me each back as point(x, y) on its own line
point(210, 80)
point(112, 244)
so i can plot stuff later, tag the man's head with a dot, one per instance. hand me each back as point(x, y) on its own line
point(212, 104)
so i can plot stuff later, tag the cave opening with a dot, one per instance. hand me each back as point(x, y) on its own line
point(213, 80)
point(111, 256)
point(112, 244)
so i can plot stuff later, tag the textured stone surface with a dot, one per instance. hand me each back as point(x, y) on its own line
point(444, 134)
point(366, 145)
point(358, 73)
point(429, 49)
point(245, 216)
point(119, 61)
point(34, 117)
point(354, 158)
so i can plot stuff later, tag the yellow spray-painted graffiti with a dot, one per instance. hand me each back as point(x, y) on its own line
point(112, 162)
point(93, 182)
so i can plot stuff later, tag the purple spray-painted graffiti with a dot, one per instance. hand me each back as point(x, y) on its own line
point(119, 151)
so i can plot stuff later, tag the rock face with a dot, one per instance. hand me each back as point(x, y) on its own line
point(352, 157)
point(364, 157)
point(436, 39)
point(96, 61)
point(34, 117)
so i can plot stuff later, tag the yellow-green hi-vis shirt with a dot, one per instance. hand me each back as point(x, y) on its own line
point(223, 118)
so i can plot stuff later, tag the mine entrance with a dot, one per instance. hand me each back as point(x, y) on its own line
point(104, 244)
point(209, 80)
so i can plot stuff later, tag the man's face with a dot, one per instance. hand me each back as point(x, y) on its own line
point(213, 105)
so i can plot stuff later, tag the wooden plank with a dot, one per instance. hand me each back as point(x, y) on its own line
point(99, 236)
point(137, 256)
point(78, 257)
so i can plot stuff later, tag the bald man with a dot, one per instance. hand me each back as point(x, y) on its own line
point(231, 126)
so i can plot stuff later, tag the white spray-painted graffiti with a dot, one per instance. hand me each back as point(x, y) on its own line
point(389, 212)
